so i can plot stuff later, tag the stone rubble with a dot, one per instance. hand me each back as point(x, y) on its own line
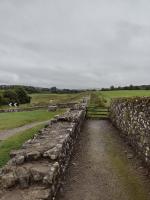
point(37, 169)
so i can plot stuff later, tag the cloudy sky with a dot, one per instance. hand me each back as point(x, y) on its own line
point(74, 43)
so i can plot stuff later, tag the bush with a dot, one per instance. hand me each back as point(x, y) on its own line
point(22, 95)
point(11, 96)
point(16, 95)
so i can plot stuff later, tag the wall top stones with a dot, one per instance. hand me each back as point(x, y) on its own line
point(131, 100)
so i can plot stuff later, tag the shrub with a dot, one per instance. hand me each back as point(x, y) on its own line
point(16, 95)
point(11, 96)
point(22, 95)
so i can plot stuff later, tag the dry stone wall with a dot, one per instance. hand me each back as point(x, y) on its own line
point(36, 170)
point(132, 117)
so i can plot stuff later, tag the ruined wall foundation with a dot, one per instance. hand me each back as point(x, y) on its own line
point(36, 170)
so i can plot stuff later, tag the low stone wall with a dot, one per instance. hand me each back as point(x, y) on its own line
point(59, 105)
point(36, 170)
point(23, 109)
point(66, 105)
point(132, 117)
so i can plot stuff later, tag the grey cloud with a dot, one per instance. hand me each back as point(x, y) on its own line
point(74, 44)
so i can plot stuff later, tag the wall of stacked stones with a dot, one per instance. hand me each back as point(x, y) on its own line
point(132, 117)
point(60, 105)
point(22, 109)
point(36, 171)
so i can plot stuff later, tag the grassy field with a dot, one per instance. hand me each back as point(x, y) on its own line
point(108, 95)
point(15, 142)
point(39, 99)
point(13, 120)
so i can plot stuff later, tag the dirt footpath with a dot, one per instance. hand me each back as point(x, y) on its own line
point(103, 168)
point(7, 133)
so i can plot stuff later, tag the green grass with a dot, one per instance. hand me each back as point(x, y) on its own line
point(96, 108)
point(108, 95)
point(15, 142)
point(13, 120)
point(39, 99)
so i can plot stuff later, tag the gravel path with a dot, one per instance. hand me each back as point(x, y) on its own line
point(103, 168)
point(7, 133)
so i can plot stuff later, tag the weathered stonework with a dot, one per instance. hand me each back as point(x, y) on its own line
point(66, 105)
point(132, 117)
point(50, 107)
point(23, 109)
point(36, 170)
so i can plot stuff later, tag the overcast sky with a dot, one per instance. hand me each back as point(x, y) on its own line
point(75, 43)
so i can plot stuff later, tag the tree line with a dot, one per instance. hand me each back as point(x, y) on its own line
point(32, 89)
point(130, 87)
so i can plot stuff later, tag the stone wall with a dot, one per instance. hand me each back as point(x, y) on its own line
point(132, 117)
point(36, 170)
point(23, 109)
point(59, 105)
point(66, 105)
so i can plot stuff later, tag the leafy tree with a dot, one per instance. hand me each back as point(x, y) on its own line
point(53, 90)
point(11, 96)
point(22, 95)
point(112, 87)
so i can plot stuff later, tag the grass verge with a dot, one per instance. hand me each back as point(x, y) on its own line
point(15, 142)
point(14, 120)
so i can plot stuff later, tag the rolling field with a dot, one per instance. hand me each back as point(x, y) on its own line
point(18, 119)
point(108, 95)
point(40, 99)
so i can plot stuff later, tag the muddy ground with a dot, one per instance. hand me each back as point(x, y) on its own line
point(104, 168)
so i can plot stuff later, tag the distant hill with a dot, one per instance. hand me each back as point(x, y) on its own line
point(32, 89)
